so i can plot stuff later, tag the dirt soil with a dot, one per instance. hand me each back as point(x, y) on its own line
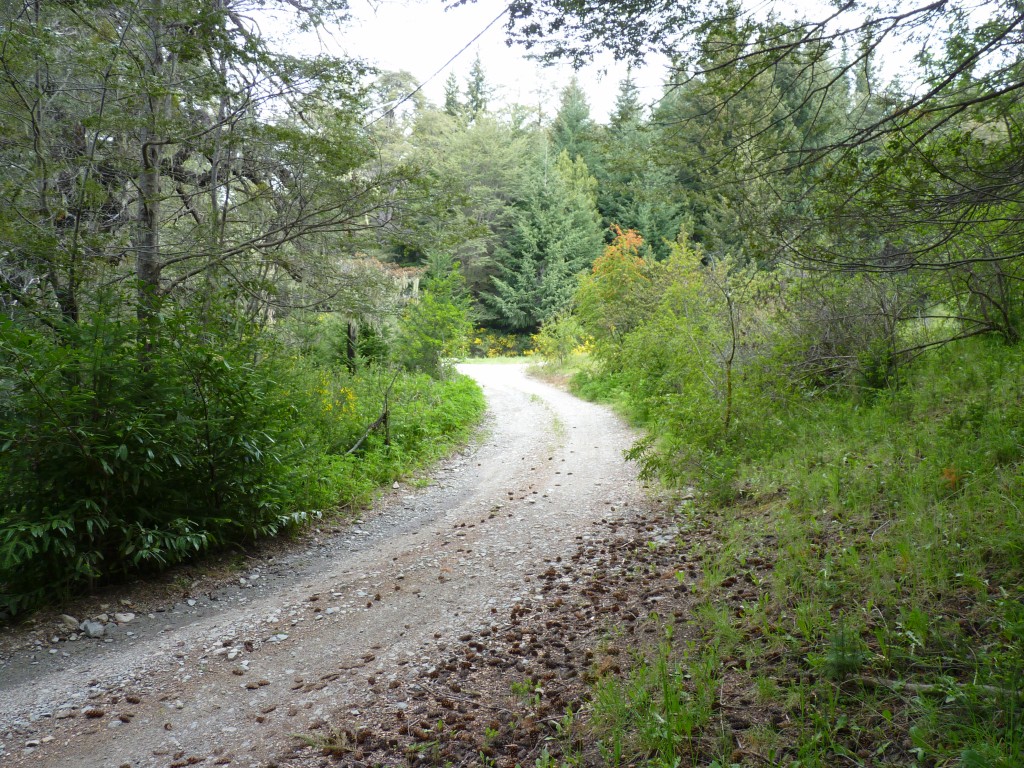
point(352, 646)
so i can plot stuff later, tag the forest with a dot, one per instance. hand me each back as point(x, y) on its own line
point(233, 282)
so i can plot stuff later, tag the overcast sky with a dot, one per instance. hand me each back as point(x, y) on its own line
point(419, 36)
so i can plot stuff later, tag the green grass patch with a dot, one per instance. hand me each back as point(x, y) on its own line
point(861, 565)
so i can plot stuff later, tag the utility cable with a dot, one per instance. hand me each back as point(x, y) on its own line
point(443, 67)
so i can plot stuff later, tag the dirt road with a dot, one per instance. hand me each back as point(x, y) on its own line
point(231, 676)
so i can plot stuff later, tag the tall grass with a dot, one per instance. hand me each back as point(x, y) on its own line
point(889, 626)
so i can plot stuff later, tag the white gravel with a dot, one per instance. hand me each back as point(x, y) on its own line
point(231, 677)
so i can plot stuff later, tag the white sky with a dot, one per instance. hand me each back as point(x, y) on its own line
point(419, 36)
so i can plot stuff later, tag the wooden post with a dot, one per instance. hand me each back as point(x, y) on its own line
point(352, 346)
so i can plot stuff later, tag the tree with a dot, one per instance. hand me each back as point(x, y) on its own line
point(452, 105)
point(476, 173)
point(733, 154)
point(169, 186)
point(629, 112)
point(637, 187)
point(555, 234)
point(180, 167)
point(618, 293)
point(435, 327)
point(972, 79)
point(478, 92)
point(572, 130)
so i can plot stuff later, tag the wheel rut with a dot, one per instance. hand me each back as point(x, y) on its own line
point(339, 628)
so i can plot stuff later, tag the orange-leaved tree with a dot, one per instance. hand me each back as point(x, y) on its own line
point(619, 292)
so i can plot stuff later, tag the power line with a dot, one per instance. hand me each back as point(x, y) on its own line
point(443, 67)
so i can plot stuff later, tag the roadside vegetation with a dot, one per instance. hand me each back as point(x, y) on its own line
point(123, 457)
point(856, 574)
point(851, 535)
point(825, 360)
point(203, 340)
point(232, 282)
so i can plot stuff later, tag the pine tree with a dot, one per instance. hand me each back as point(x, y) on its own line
point(635, 193)
point(629, 111)
point(452, 105)
point(572, 129)
point(478, 92)
point(556, 234)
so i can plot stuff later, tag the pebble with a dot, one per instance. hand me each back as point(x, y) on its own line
point(92, 629)
point(69, 621)
point(346, 605)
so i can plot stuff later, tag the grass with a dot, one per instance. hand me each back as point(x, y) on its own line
point(866, 586)
point(659, 709)
point(428, 420)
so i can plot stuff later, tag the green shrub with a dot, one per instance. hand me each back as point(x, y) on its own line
point(559, 338)
point(434, 329)
point(487, 343)
point(119, 454)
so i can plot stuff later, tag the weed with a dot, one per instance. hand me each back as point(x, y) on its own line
point(528, 691)
point(660, 709)
point(716, 623)
point(846, 653)
point(767, 688)
point(886, 625)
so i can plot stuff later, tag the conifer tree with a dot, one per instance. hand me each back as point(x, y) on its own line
point(636, 192)
point(556, 234)
point(452, 106)
point(573, 130)
point(629, 111)
point(478, 92)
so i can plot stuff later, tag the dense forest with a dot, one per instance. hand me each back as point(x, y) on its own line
point(232, 283)
point(198, 343)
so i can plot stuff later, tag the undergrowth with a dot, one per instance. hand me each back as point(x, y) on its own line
point(122, 454)
point(860, 585)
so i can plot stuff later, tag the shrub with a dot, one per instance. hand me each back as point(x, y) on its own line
point(559, 338)
point(121, 453)
point(435, 328)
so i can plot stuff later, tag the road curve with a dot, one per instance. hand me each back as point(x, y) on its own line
point(340, 628)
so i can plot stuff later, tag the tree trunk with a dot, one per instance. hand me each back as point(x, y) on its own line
point(147, 243)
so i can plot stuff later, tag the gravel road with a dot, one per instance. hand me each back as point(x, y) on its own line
point(229, 677)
